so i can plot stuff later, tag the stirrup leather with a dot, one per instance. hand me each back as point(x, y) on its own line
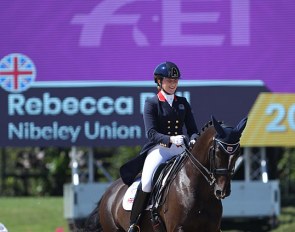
point(134, 228)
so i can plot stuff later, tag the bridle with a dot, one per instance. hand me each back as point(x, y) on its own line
point(209, 174)
point(228, 148)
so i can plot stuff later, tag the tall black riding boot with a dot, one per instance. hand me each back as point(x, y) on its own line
point(139, 204)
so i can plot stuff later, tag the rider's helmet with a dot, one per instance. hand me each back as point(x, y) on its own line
point(167, 70)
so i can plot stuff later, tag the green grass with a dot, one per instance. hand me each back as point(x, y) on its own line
point(286, 220)
point(45, 214)
point(37, 214)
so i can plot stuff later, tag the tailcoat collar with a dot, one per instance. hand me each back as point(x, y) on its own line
point(162, 98)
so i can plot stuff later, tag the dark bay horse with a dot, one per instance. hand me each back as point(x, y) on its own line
point(193, 202)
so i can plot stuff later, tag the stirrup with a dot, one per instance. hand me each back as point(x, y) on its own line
point(134, 228)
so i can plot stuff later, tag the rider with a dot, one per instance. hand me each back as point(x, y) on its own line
point(164, 117)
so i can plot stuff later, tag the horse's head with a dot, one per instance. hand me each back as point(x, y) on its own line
point(223, 154)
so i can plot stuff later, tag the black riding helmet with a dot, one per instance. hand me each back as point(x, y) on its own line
point(166, 69)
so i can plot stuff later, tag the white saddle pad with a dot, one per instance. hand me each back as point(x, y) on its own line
point(129, 196)
point(131, 191)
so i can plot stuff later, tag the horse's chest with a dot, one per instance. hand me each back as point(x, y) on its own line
point(201, 220)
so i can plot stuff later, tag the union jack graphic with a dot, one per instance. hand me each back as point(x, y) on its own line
point(17, 72)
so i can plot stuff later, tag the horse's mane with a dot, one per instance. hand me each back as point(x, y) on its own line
point(206, 127)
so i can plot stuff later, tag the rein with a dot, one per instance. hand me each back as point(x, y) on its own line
point(209, 174)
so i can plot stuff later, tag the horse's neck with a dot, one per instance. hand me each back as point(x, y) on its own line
point(192, 184)
point(202, 146)
point(201, 153)
point(192, 175)
point(192, 171)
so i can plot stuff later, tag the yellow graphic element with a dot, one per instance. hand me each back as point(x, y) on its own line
point(271, 122)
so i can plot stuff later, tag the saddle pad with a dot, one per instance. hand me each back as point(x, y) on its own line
point(129, 196)
point(131, 191)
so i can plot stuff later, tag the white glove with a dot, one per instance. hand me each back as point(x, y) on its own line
point(192, 142)
point(177, 140)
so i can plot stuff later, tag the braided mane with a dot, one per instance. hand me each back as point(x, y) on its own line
point(206, 126)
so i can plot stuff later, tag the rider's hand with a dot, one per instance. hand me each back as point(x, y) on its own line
point(192, 142)
point(177, 140)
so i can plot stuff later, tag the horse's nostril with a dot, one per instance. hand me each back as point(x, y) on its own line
point(218, 192)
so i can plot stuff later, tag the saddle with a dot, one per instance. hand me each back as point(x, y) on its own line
point(162, 179)
point(161, 182)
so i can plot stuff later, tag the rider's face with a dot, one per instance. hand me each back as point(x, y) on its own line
point(170, 85)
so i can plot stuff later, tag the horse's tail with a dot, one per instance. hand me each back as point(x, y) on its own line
point(92, 223)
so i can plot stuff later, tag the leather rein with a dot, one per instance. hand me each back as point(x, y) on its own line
point(209, 174)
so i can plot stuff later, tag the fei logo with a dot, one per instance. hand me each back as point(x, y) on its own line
point(17, 72)
point(172, 19)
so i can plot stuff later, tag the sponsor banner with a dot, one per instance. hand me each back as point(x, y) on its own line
point(271, 122)
point(108, 114)
point(109, 40)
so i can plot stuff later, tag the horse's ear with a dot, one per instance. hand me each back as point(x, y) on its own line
point(217, 127)
point(241, 126)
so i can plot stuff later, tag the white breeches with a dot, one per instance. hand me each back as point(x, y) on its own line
point(155, 157)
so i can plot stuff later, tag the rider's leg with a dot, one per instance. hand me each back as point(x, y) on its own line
point(152, 160)
point(139, 204)
point(155, 157)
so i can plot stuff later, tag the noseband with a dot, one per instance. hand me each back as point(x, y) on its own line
point(209, 175)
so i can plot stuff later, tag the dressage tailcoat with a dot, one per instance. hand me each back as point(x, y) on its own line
point(161, 121)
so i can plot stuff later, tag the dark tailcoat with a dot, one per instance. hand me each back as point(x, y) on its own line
point(161, 121)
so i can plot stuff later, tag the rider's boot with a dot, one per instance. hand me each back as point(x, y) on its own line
point(139, 204)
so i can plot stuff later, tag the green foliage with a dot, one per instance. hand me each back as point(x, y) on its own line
point(44, 171)
point(35, 171)
point(121, 156)
point(286, 168)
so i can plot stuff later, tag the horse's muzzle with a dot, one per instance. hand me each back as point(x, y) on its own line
point(221, 193)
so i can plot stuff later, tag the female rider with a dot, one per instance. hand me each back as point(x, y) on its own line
point(164, 116)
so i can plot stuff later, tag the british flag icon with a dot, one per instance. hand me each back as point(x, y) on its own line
point(17, 72)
